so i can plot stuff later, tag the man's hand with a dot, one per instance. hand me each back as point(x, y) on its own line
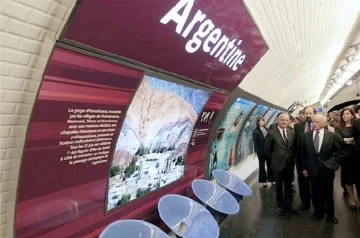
point(305, 173)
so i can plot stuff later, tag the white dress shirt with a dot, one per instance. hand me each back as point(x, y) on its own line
point(321, 137)
point(281, 132)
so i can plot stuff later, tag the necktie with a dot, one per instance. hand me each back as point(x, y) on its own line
point(317, 141)
point(284, 137)
point(309, 127)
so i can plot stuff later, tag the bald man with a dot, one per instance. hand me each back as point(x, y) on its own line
point(279, 144)
point(321, 156)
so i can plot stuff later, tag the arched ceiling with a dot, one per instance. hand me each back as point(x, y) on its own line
point(346, 72)
point(306, 39)
point(348, 93)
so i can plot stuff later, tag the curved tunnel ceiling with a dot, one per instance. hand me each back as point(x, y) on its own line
point(305, 38)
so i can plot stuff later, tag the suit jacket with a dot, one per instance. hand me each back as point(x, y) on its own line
point(272, 126)
point(327, 159)
point(356, 126)
point(299, 129)
point(281, 154)
point(259, 140)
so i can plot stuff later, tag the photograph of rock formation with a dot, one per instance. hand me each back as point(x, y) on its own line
point(151, 147)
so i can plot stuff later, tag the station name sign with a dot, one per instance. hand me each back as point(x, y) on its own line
point(207, 36)
point(215, 43)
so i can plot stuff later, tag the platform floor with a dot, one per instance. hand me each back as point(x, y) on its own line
point(258, 218)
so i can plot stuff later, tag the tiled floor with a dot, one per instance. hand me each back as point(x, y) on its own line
point(258, 218)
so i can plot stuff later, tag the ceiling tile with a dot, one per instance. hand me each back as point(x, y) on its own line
point(305, 37)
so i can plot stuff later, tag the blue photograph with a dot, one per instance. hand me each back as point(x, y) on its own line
point(272, 120)
point(267, 116)
point(246, 143)
point(222, 154)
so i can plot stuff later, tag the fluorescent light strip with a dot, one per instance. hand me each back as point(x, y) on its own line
point(347, 74)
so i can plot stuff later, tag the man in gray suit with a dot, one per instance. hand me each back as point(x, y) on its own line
point(279, 144)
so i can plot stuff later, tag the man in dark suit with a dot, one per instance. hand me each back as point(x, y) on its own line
point(279, 144)
point(321, 157)
point(303, 182)
point(356, 126)
point(275, 125)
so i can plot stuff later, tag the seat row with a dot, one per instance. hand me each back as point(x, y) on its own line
point(187, 217)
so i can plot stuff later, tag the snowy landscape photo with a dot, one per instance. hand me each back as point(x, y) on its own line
point(151, 147)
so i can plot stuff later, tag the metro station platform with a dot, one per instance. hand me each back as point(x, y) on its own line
point(258, 218)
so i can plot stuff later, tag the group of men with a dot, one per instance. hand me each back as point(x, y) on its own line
point(316, 152)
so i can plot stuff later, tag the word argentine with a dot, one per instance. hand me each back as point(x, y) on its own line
point(218, 45)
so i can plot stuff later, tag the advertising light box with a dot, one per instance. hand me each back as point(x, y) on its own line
point(151, 149)
point(222, 155)
point(272, 119)
point(246, 142)
point(212, 42)
point(72, 132)
point(267, 116)
point(200, 138)
point(105, 142)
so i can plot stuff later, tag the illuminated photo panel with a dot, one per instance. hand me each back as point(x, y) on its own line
point(222, 154)
point(151, 148)
point(246, 142)
point(267, 116)
point(272, 120)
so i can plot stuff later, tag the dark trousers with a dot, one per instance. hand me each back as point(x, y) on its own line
point(322, 187)
point(283, 180)
point(265, 175)
point(357, 182)
point(304, 187)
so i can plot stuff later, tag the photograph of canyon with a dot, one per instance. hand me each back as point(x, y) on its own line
point(151, 148)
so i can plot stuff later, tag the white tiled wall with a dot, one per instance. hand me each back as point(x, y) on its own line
point(246, 167)
point(28, 30)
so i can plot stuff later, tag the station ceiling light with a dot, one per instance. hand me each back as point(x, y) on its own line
point(343, 78)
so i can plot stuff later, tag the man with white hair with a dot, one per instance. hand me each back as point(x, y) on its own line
point(321, 157)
